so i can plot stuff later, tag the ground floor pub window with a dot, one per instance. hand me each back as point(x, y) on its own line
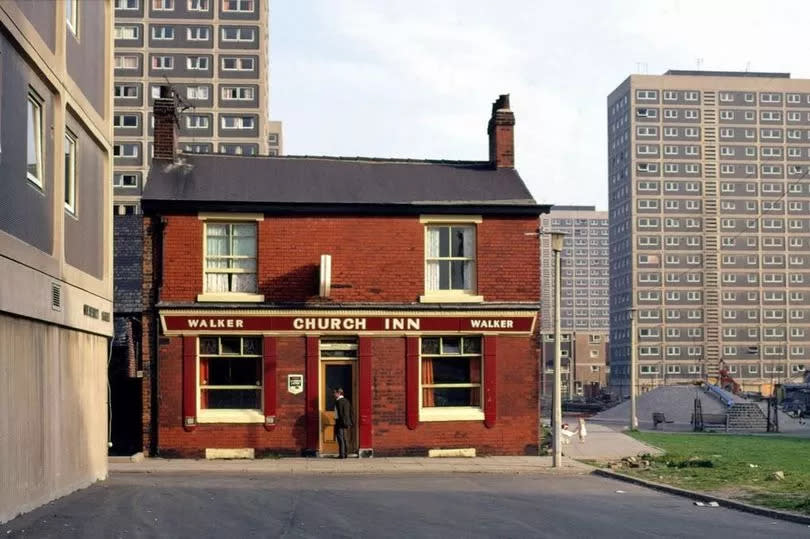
point(450, 378)
point(230, 377)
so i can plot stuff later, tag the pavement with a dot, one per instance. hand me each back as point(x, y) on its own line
point(198, 506)
point(354, 466)
point(605, 442)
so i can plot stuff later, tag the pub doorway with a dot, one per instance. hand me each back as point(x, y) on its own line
point(338, 369)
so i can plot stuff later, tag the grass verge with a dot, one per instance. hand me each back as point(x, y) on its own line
point(733, 466)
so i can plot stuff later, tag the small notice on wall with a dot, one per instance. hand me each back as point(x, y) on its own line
point(295, 383)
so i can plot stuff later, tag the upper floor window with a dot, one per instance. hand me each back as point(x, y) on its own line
point(124, 91)
point(237, 93)
point(127, 5)
point(70, 172)
point(197, 33)
point(238, 5)
point(34, 141)
point(450, 258)
point(127, 31)
point(126, 150)
point(163, 5)
point(162, 62)
point(237, 64)
point(198, 5)
point(230, 258)
point(126, 62)
point(237, 34)
point(162, 32)
point(125, 180)
point(72, 16)
point(125, 120)
point(197, 63)
point(197, 92)
point(238, 122)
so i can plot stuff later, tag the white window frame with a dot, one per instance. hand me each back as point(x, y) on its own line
point(118, 180)
point(120, 149)
point(200, 121)
point(452, 413)
point(71, 156)
point(193, 63)
point(127, 5)
point(162, 5)
point(133, 30)
point(159, 62)
point(160, 32)
point(252, 33)
point(239, 62)
point(197, 91)
point(198, 5)
point(120, 124)
point(238, 122)
point(229, 219)
point(230, 415)
point(34, 126)
point(119, 61)
point(437, 295)
point(193, 33)
point(122, 85)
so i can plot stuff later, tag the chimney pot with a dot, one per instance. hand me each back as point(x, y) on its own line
point(501, 131)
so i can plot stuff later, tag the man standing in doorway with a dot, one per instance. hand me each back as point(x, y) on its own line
point(343, 420)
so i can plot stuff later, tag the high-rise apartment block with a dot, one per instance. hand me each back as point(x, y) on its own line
point(710, 227)
point(55, 247)
point(584, 307)
point(214, 54)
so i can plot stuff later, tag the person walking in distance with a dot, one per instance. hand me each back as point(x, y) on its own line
point(343, 420)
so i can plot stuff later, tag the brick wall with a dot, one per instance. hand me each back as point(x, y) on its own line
point(373, 258)
point(515, 431)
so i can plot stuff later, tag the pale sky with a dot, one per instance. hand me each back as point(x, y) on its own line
point(416, 78)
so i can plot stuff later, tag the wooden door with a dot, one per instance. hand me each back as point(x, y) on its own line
point(336, 374)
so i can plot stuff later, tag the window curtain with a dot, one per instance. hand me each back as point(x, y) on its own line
point(244, 245)
point(203, 383)
point(468, 246)
point(427, 378)
point(216, 246)
point(475, 378)
point(432, 266)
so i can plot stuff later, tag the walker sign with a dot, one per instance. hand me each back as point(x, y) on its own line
point(396, 324)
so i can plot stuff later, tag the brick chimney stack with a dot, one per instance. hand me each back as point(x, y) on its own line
point(501, 131)
point(166, 121)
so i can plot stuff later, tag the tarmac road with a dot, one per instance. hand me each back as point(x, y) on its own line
point(232, 506)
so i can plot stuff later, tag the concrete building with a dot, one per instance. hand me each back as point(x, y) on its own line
point(710, 226)
point(214, 54)
point(584, 309)
point(55, 248)
point(336, 272)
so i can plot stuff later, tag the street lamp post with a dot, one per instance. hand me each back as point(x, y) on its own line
point(556, 247)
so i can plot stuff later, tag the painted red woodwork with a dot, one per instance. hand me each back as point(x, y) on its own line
point(397, 325)
point(490, 379)
point(189, 383)
point(270, 383)
point(311, 391)
point(412, 382)
point(364, 360)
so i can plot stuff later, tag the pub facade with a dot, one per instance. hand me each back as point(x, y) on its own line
point(271, 281)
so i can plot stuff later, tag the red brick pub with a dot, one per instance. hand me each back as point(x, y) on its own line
point(270, 281)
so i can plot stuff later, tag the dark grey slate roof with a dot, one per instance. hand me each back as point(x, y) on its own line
point(332, 181)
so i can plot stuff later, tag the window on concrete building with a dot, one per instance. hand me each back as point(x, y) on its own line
point(34, 140)
point(70, 172)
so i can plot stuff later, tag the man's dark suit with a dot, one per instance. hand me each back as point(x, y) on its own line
point(343, 420)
